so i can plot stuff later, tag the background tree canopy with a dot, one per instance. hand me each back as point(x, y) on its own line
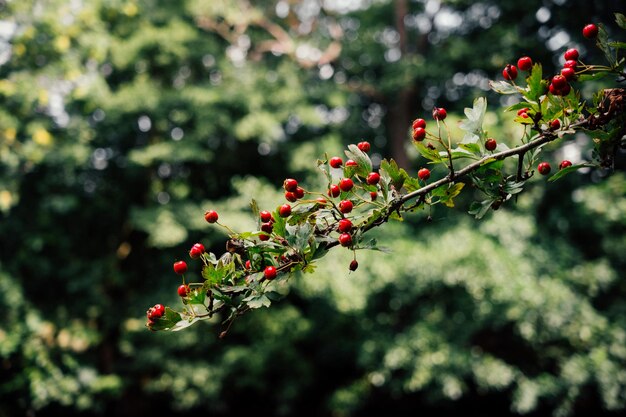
point(122, 121)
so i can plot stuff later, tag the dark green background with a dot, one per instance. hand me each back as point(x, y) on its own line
point(520, 313)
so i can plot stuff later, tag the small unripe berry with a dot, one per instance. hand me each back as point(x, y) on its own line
point(525, 63)
point(439, 113)
point(344, 226)
point(183, 290)
point(571, 54)
point(335, 162)
point(334, 190)
point(270, 272)
point(291, 197)
point(491, 144)
point(544, 168)
point(353, 265)
point(568, 73)
point(423, 174)
point(284, 210)
point(364, 146)
point(180, 267)
point(345, 239)
point(196, 250)
point(373, 178)
point(290, 185)
point(346, 184)
point(555, 124)
point(351, 163)
point(419, 133)
point(266, 216)
point(509, 72)
point(590, 31)
point(564, 164)
point(211, 216)
point(419, 123)
point(345, 206)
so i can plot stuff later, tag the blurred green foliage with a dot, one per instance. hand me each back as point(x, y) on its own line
point(122, 121)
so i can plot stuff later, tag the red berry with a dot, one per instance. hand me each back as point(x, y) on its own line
point(345, 206)
point(266, 216)
point(509, 72)
point(525, 63)
point(346, 184)
point(419, 133)
point(565, 90)
point(525, 115)
point(159, 310)
point(590, 31)
point(559, 82)
point(248, 264)
point(299, 193)
point(180, 267)
point(439, 113)
point(335, 162)
point(267, 227)
point(353, 265)
point(571, 54)
point(520, 111)
point(269, 273)
point(364, 146)
point(373, 195)
point(211, 216)
point(264, 237)
point(419, 123)
point(183, 290)
point(345, 239)
point(570, 64)
point(322, 201)
point(568, 73)
point(555, 124)
point(423, 174)
point(284, 210)
point(544, 168)
point(351, 163)
point(334, 191)
point(564, 164)
point(196, 250)
point(491, 144)
point(290, 184)
point(291, 197)
point(345, 226)
point(553, 90)
point(373, 178)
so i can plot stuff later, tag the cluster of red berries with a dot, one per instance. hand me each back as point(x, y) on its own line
point(293, 192)
point(154, 313)
point(544, 168)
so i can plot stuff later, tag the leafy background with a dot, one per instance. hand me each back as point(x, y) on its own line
point(123, 120)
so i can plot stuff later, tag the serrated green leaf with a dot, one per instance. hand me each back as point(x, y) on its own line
point(212, 274)
point(562, 172)
point(364, 163)
point(447, 193)
point(396, 174)
point(412, 184)
point(480, 208)
point(592, 76)
point(475, 116)
point(620, 19)
point(504, 87)
point(430, 154)
point(258, 301)
point(535, 86)
point(196, 296)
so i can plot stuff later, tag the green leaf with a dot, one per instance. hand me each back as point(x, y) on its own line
point(592, 76)
point(411, 184)
point(212, 274)
point(479, 209)
point(430, 154)
point(364, 163)
point(620, 19)
point(504, 87)
point(258, 301)
point(397, 175)
point(535, 86)
point(372, 245)
point(618, 45)
point(475, 116)
point(447, 193)
point(562, 172)
point(255, 208)
point(196, 296)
